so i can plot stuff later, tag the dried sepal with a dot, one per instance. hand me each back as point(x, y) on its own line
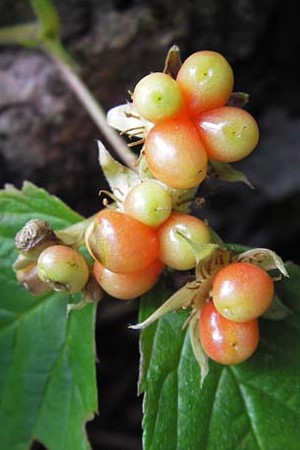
point(74, 235)
point(173, 62)
point(127, 120)
point(201, 251)
point(34, 237)
point(182, 199)
point(200, 355)
point(264, 258)
point(206, 271)
point(238, 99)
point(225, 172)
point(92, 292)
point(91, 240)
point(183, 298)
point(120, 178)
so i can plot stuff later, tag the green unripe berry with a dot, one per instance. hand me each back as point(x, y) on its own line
point(149, 202)
point(157, 96)
point(64, 268)
point(174, 251)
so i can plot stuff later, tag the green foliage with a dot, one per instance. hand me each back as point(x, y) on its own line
point(47, 360)
point(48, 18)
point(251, 406)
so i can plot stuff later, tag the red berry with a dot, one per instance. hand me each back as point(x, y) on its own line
point(122, 243)
point(228, 133)
point(225, 341)
point(125, 286)
point(175, 154)
point(206, 80)
point(242, 291)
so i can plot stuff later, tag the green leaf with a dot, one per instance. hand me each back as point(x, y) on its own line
point(277, 310)
point(253, 406)
point(47, 361)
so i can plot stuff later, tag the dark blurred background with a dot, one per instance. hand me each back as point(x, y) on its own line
point(47, 137)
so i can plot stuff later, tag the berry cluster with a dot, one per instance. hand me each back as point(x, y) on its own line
point(192, 120)
point(132, 247)
point(228, 324)
point(145, 229)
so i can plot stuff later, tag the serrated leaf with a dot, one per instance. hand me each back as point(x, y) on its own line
point(253, 406)
point(47, 362)
point(226, 172)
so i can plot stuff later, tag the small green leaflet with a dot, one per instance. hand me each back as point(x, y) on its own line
point(47, 362)
point(251, 406)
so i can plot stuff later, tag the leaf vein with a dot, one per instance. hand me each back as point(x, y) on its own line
point(244, 400)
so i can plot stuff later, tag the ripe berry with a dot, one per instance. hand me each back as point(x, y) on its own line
point(64, 268)
point(125, 286)
point(149, 202)
point(206, 80)
point(228, 133)
point(175, 154)
point(225, 341)
point(174, 251)
point(157, 96)
point(121, 243)
point(242, 291)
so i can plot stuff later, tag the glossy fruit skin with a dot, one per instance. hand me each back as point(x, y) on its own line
point(175, 252)
point(175, 154)
point(228, 133)
point(64, 268)
point(121, 243)
point(242, 291)
point(157, 97)
point(127, 286)
point(225, 341)
point(149, 202)
point(206, 80)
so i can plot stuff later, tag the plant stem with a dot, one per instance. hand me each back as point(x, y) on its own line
point(26, 34)
point(87, 99)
